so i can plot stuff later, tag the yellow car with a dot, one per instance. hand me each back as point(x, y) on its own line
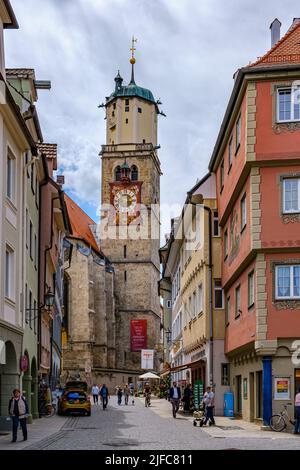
point(75, 399)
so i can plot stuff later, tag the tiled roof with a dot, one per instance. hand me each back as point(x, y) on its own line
point(20, 73)
point(80, 223)
point(285, 51)
point(50, 150)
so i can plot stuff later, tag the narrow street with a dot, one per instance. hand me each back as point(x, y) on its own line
point(139, 428)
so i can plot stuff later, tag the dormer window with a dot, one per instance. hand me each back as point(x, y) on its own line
point(134, 173)
point(118, 173)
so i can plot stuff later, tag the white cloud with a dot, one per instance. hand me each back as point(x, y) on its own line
point(187, 52)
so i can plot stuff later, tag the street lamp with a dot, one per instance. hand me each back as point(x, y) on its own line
point(49, 300)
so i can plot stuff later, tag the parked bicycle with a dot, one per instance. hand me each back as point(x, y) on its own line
point(279, 421)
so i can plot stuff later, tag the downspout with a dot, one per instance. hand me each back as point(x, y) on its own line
point(210, 266)
point(45, 258)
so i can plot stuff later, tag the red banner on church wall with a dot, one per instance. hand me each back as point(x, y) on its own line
point(138, 335)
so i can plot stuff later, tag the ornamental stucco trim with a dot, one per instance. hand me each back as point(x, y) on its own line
point(251, 122)
point(255, 210)
point(261, 297)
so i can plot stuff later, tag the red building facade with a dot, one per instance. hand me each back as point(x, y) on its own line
point(257, 163)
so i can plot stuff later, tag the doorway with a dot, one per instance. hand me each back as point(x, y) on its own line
point(239, 405)
point(251, 395)
point(297, 381)
point(259, 395)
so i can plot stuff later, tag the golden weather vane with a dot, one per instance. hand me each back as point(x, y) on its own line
point(132, 59)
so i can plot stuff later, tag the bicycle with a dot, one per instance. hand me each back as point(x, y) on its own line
point(279, 421)
point(48, 410)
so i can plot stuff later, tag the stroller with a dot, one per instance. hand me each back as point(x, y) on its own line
point(199, 416)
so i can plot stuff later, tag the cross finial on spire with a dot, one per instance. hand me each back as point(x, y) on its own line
point(132, 59)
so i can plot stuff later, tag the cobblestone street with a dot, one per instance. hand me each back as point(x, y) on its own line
point(136, 427)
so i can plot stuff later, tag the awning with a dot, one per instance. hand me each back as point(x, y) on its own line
point(189, 365)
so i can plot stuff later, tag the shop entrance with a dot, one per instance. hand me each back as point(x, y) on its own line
point(259, 395)
point(239, 394)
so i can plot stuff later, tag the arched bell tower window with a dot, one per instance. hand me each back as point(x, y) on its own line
point(118, 173)
point(134, 173)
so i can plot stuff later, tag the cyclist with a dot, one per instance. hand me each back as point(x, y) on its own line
point(147, 393)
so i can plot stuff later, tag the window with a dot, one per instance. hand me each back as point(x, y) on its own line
point(200, 298)
point(222, 175)
point(169, 303)
point(126, 109)
point(32, 177)
point(27, 228)
point(139, 110)
point(26, 303)
point(190, 307)
point(113, 114)
point(9, 273)
point(291, 195)
point(134, 173)
point(243, 212)
point(31, 240)
point(127, 102)
point(125, 276)
point(216, 228)
point(224, 374)
point(227, 311)
point(238, 134)
point(194, 304)
point(230, 155)
point(114, 105)
point(225, 243)
point(118, 173)
point(35, 251)
point(288, 108)
point(288, 282)
point(251, 289)
point(30, 309)
point(126, 121)
point(218, 294)
point(237, 301)
point(36, 192)
point(35, 317)
point(10, 177)
point(125, 251)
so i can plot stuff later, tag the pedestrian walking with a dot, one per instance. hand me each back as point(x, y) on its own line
point(297, 413)
point(174, 397)
point(120, 393)
point(104, 396)
point(209, 402)
point(187, 398)
point(126, 394)
point(18, 410)
point(95, 393)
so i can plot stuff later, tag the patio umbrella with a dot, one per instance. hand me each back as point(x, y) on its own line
point(149, 375)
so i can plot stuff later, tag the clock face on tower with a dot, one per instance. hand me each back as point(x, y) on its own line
point(125, 200)
point(125, 197)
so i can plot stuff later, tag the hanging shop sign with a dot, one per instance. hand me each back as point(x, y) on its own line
point(147, 358)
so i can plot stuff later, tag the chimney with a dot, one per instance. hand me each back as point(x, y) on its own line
point(275, 31)
point(60, 179)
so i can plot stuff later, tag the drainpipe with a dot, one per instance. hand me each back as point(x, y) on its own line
point(211, 329)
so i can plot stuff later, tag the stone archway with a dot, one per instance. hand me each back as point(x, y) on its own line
point(34, 389)
point(10, 377)
point(26, 385)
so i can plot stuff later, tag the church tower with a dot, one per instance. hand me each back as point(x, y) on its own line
point(131, 186)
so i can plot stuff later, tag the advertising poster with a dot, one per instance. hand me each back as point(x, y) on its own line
point(138, 335)
point(282, 388)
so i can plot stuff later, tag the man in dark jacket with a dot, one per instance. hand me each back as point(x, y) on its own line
point(104, 395)
point(18, 410)
point(174, 397)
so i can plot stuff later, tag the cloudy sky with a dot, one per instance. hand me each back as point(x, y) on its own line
point(187, 52)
